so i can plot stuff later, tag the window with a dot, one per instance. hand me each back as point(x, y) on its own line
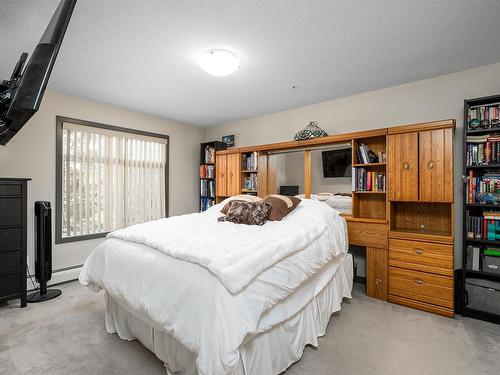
point(107, 178)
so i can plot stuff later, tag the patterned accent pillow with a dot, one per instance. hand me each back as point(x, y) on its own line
point(241, 197)
point(282, 206)
point(250, 213)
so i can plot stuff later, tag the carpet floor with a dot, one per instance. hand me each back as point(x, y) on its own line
point(67, 336)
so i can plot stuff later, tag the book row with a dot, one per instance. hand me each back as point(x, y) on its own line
point(250, 162)
point(363, 180)
point(207, 171)
point(251, 182)
point(483, 189)
point(209, 155)
point(481, 228)
point(367, 156)
point(207, 188)
point(206, 203)
point(484, 117)
point(483, 150)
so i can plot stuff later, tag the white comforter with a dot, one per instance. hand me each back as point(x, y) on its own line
point(184, 297)
point(235, 254)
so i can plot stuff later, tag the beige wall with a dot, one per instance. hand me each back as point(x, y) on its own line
point(431, 99)
point(31, 153)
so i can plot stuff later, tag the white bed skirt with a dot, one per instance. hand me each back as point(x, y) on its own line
point(270, 352)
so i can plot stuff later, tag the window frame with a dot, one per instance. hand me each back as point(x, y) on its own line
point(60, 120)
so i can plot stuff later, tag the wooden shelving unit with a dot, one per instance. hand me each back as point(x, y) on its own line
point(370, 204)
point(420, 194)
point(476, 209)
point(249, 172)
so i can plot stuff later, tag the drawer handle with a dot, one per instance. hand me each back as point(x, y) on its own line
point(431, 165)
point(419, 251)
point(419, 281)
point(406, 165)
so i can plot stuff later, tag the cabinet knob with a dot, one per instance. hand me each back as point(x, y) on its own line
point(406, 165)
point(419, 282)
point(431, 165)
point(222, 174)
point(230, 174)
point(419, 251)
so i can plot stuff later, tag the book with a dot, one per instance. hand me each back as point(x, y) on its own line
point(475, 258)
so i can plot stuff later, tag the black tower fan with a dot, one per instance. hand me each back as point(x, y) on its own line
point(43, 255)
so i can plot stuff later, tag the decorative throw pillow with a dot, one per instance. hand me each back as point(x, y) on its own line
point(282, 206)
point(250, 213)
point(241, 197)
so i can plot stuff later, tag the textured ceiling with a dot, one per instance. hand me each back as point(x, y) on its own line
point(142, 54)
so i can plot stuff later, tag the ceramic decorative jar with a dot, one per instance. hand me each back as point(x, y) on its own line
point(310, 131)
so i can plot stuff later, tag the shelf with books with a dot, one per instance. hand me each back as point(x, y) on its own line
point(368, 181)
point(249, 172)
point(481, 273)
point(369, 151)
point(481, 131)
point(207, 172)
point(368, 192)
point(482, 205)
point(482, 242)
point(481, 227)
point(369, 165)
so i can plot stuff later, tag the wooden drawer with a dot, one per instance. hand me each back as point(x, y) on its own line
point(367, 234)
point(420, 286)
point(11, 189)
point(10, 262)
point(421, 256)
point(10, 239)
point(11, 209)
point(10, 284)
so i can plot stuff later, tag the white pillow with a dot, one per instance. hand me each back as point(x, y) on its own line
point(241, 197)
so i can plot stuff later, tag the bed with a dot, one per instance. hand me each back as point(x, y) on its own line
point(248, 303)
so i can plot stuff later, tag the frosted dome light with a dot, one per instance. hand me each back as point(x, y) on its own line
point(219, 62)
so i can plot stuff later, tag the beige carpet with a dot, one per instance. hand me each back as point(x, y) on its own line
point(67, 336)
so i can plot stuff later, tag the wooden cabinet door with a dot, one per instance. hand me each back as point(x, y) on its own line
point(220, 176)
point(436, 165)
point(403, 167)
point(376, 273)
point(233, 174)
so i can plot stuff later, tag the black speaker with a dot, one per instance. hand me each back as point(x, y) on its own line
point(43, 253)
point(289, 190)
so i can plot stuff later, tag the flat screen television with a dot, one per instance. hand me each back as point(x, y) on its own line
point(337, 163)
point(20, 97)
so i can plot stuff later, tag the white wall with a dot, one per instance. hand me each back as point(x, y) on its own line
point(431, 99)
point(31, 153)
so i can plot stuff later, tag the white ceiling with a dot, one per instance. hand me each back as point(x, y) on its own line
point(142, 54)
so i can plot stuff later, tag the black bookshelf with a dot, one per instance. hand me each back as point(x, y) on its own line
point(208, 181)
point(476, 209)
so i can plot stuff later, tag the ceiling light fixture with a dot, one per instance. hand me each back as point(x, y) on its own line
point(219, 62)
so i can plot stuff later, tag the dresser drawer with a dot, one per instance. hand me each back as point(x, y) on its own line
point(10, 262)
point(421, 256)
point(11, 239)
point(421, 286)
point(11, 211)
point(10, 284)
point(10, 189)
point(367, 234)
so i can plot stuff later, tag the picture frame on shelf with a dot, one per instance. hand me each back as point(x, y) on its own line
point(229, 140)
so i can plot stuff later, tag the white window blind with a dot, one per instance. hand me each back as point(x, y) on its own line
point(110, 179)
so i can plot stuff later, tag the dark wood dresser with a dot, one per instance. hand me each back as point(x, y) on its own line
point(13, 236)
